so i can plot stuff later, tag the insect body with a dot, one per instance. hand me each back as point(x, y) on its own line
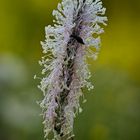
point(78, 39)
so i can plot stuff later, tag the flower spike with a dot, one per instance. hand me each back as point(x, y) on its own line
point(65, 69)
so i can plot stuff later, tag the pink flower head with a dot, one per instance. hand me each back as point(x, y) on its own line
point(65, 71)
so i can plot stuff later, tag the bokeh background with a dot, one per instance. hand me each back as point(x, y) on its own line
point(112, 111)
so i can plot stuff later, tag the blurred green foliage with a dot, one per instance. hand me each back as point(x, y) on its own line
point(112, 111)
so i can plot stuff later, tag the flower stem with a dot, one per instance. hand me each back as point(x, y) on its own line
point(67, 78)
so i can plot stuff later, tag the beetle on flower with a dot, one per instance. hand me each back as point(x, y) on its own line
point(65, 69)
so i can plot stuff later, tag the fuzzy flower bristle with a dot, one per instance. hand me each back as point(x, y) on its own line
point(65, 69)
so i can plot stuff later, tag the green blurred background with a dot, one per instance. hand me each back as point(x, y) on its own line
point(112, 111)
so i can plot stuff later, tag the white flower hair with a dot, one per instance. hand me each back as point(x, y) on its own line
point(65, 69)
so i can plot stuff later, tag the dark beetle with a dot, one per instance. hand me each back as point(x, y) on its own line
point(78, 39)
